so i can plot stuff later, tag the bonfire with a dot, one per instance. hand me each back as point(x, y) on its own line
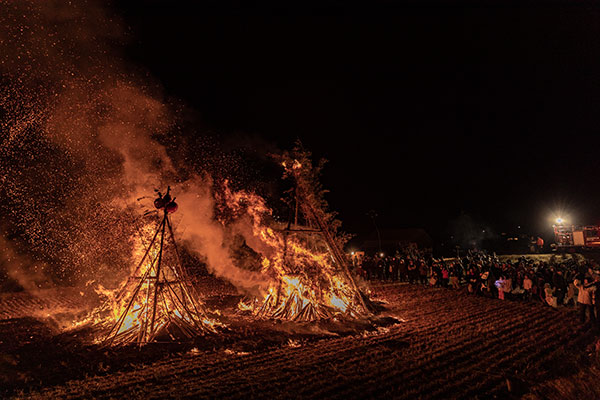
point(308, 273)
point(158, 300)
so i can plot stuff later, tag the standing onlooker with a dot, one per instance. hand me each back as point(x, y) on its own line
point(471, 281)
point(394, 268)
point(560, 286)
point(596, 286)
point(423, 270)
point(454, 282)
point(445, 275)
point(403, 270)
point(380, 268)
point(570, 295)
point(584, 298)
point(527, 286)
point(499, 284)
point(413, 274)
point(539, 244)
point(549, 296)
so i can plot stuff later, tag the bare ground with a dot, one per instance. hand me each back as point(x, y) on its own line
point(444, 344)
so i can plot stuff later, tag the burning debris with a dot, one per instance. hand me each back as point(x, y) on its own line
point(158, 300)
point(307, 271)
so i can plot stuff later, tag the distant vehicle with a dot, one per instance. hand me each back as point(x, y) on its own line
point(574, 237)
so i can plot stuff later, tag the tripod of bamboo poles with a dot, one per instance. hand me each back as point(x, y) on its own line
point(169, 299)
point(314, 216)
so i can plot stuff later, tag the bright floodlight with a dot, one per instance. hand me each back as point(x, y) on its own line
point(559, 220)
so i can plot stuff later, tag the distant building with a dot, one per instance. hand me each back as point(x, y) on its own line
point(394, 239)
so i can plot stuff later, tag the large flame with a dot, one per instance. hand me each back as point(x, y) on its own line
point(304, 282)
point(152, 300)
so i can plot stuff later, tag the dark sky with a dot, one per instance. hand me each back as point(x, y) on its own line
point(425, 109)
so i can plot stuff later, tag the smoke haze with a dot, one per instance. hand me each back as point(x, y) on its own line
point(83, 137)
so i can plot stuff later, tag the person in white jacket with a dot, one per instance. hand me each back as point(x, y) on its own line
point(549, 295)
point(584, 298)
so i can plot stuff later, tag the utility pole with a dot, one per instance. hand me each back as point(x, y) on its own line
point(373, 215)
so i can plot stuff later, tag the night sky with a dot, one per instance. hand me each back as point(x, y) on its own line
point(426, 110)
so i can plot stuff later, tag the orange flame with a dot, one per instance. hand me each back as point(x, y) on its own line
point(303, 281)
point(130, 313)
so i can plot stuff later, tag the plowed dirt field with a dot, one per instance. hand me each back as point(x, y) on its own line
point(444, 344)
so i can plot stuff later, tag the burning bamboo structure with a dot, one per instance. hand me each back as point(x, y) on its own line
point(311, 278)
point(158, 300)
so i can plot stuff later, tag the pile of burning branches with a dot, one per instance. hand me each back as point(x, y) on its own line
point(157, 300)
point(306, 274)
point(307, 271)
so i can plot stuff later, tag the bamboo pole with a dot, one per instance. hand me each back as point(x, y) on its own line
point(337, 254)
point(156, 282)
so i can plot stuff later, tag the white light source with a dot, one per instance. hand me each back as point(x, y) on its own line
point(559, 220)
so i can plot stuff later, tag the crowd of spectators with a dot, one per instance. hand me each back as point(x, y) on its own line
point(560, 281)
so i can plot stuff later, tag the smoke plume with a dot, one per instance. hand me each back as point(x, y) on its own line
point(83, 137)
